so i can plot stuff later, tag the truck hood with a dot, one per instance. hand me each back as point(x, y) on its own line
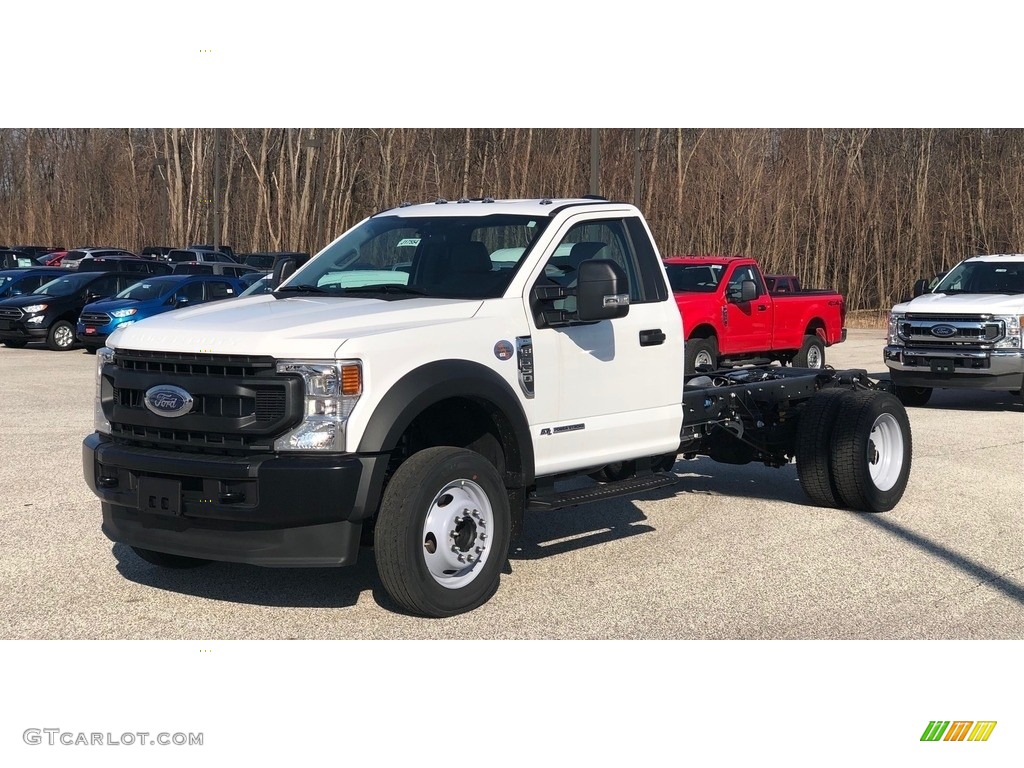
point(312, 327)
point(965, 304)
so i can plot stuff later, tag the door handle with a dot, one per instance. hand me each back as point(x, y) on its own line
point(762, 307)
point(652, 338)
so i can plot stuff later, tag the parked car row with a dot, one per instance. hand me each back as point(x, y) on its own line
point(62, 307)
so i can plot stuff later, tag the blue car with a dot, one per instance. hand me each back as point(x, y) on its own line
point(17, 282)
point(148, 297)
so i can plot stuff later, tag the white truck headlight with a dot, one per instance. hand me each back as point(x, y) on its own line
point(104, 355)
point(332, 389)
point(895, 318)
point(1012, 324)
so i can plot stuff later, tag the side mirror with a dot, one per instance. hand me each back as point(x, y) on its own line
point(920, 287)
point(284, 269)
point(747, 291)
point(181, 301)
point(602, 290)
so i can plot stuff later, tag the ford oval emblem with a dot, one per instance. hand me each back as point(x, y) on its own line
point(943, 331)
point(168, 400)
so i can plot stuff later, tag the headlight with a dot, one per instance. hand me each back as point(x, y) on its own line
point(1012, 324)
point(104, 356)
point(31, 308)
point(123, 312)
point(332, 390)
point(895, 318)
point(35, 319)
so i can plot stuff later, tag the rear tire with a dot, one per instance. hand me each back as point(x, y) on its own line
point(443, 532)
point(165, 560)
point(913, 396)
point(813, 446)
point(871, 451)
point(811, 353)
point(61, 337)
point(701, 352)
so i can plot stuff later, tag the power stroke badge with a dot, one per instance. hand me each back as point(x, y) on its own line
point(168, 400)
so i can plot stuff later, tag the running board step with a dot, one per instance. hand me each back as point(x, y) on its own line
point(556, 500)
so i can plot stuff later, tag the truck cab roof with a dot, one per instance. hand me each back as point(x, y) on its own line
point(540, 207)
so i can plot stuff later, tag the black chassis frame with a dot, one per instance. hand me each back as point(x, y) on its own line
point(751, 414)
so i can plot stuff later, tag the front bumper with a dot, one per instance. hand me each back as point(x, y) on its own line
point(265, 509)
point(955, 367)
point(96, 340)
point(20, 331)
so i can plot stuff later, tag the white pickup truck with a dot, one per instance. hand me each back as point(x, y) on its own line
point(964, 332)
point(428, 378)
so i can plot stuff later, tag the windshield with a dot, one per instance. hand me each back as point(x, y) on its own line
point(148, 289)
point(694, 278)
point(66, 285)
point(472, 257)
point(984, 277)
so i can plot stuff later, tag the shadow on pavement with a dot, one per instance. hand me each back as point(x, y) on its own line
point(240, 583)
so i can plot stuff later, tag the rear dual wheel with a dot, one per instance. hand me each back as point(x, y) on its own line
point(854, 450)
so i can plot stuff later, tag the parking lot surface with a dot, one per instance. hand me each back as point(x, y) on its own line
point(728, 552)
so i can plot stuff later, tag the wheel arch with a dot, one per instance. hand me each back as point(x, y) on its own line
point(816, 327)
point(703, 331)
point(478, 395)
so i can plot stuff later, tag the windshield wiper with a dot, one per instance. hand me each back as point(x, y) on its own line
point(386, 288)
point(302, 288)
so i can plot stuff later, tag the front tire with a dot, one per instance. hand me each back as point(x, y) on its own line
point(61, 336)
point(871, 451)
point(811, 353)
point(443, 532)
point(701, 352)
point(913, 396)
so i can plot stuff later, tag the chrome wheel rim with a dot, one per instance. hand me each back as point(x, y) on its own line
point(457, 534)
point(885, 452)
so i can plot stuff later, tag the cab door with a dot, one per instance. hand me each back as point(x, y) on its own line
point(609, 390)
point(747, 325)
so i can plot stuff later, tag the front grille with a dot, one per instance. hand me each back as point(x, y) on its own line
point(239, 403)
point(977, 331)
point(10, 313)
point(193, 364)
point(95, 318)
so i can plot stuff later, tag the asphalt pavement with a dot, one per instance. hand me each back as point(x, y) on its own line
point(728, 552)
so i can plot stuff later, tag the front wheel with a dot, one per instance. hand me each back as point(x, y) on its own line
point(61, 336)
point(871, 451)
point(811, 353)
point(443, 531)
point(699, 353)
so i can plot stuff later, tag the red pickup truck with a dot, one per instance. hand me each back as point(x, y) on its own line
point(730, 317)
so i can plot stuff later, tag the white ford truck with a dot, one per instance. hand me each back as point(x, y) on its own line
point(428, 378)
point(964, 332)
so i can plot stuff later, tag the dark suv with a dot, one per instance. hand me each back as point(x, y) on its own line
point(50, 312)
